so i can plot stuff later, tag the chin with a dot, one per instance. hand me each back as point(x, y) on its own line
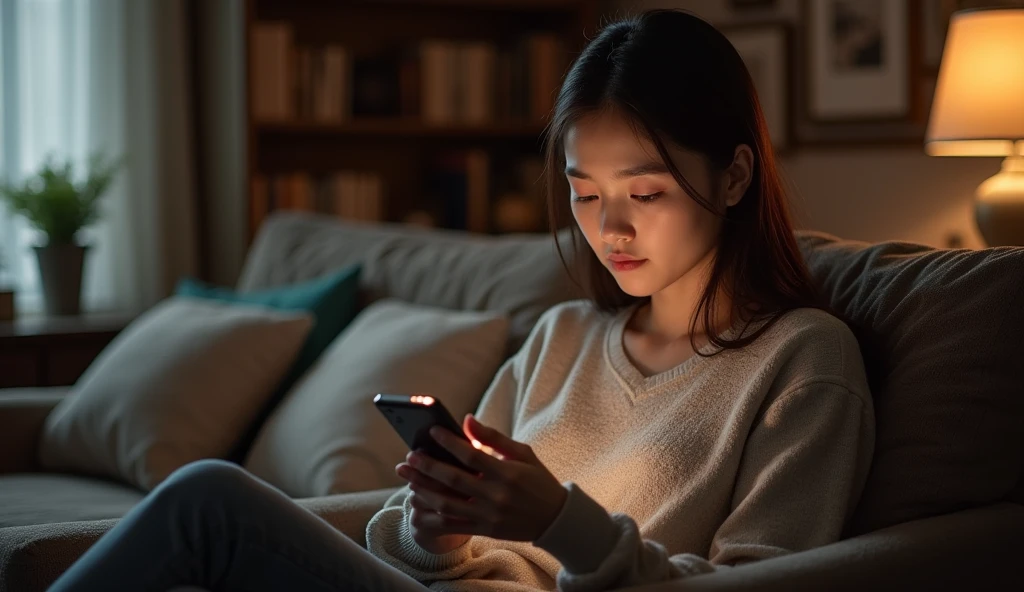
point(637, 293)
point(635, 288)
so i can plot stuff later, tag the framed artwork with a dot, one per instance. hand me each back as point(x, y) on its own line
point(766, 51)
point(861, 73)
point(741, 4)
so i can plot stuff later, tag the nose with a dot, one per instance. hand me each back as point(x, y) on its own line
point(615, 224)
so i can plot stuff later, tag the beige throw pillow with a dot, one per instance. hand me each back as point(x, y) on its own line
point(181, 383)
point(327, 437)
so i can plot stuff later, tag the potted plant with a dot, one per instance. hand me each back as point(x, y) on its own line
point(58, 205)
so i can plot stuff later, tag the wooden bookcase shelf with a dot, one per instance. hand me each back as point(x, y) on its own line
point(461, 164)
point(401, 127)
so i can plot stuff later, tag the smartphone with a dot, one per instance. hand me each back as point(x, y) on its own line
point(412, 416)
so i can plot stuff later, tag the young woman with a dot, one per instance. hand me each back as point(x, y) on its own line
point(700, 411)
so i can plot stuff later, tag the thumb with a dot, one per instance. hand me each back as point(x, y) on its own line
point(488, 436)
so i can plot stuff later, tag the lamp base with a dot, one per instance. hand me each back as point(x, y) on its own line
point(999, 208)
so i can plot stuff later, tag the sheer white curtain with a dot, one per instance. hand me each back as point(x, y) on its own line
point(110, 75)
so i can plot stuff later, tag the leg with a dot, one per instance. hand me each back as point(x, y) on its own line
point(212, 524)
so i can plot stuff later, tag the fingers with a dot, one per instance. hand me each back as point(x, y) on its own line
point(426, 520)
point(454, 478)
point(430, 522)
point(420, 505)
point(463, 512)
point(415, 477)
point(466, 453)
point(490, 436)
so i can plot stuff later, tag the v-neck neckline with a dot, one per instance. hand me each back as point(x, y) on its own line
point(638, 384)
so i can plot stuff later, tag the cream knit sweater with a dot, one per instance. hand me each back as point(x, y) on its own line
point(750, 454)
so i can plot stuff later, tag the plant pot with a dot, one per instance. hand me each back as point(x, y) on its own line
point(6, 304)
point(60, 272)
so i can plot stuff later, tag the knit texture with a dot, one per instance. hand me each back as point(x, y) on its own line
point(750, 454)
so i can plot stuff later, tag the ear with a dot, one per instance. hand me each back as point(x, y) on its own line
point(737, 177)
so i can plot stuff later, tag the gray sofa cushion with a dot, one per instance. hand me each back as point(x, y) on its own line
point(519, 275)
point(941, 332)
point(46, 498)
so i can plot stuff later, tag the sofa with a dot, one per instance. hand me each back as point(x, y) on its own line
point(941, 331)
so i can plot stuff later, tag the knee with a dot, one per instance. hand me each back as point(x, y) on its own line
point(204, 478)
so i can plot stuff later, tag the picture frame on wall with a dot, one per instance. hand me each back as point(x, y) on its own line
point(744, 4)
point(861, 73)
point(858, 59)
point(766, 49)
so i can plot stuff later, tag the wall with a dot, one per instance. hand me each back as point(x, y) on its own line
point(866, 193)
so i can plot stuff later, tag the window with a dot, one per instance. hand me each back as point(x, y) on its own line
point(51, 73)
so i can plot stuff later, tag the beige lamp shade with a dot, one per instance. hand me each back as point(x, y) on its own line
point(978, 108)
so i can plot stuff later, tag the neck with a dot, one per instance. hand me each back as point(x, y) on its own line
point(667, 317)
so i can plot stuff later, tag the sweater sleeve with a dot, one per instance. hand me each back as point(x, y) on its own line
point(802, 470)
point(388, 535)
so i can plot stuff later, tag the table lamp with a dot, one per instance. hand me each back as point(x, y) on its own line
point(978, 110)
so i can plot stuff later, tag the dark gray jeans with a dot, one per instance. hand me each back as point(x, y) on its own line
point(212, 525)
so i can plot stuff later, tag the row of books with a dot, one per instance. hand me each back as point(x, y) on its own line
point(459, 187)
point(480, 82)
point(353, 195)
point(466, 190)
point(462, 190)
point(440, 81)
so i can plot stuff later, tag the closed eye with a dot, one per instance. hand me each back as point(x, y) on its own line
point(647, 198)
point(640, 198)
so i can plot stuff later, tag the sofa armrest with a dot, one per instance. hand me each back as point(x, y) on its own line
point(978, 549)
point(349, 512)
point(22, 414)
point(32, 557)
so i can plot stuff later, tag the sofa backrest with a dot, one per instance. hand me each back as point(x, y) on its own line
point(520, 275)
point(941, 331)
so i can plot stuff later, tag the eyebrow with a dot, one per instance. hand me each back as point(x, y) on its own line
point(647, 168)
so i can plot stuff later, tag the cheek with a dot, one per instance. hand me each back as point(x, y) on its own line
point(585, 218)
point(675, 228)
point(589, 223)
point(663, 218)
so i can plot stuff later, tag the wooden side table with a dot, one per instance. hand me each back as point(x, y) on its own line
point(54, 351)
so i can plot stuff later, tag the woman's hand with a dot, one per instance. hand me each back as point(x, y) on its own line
point(513, 498)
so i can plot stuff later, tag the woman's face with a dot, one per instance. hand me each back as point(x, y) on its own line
point(627, 204)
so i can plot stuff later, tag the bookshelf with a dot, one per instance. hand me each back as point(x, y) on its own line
point(426, 112)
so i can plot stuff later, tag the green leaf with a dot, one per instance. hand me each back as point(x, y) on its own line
point(53, 202)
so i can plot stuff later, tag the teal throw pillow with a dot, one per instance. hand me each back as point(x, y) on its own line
point(331, 298)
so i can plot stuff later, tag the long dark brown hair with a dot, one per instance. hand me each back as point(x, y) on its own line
point(677, 78)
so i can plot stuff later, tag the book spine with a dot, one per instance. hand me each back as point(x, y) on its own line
point(435, 90)
point(478, 191)
point(479, 83)
point(272, 62)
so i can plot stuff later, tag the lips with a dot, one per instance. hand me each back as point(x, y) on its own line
point(620, 262)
